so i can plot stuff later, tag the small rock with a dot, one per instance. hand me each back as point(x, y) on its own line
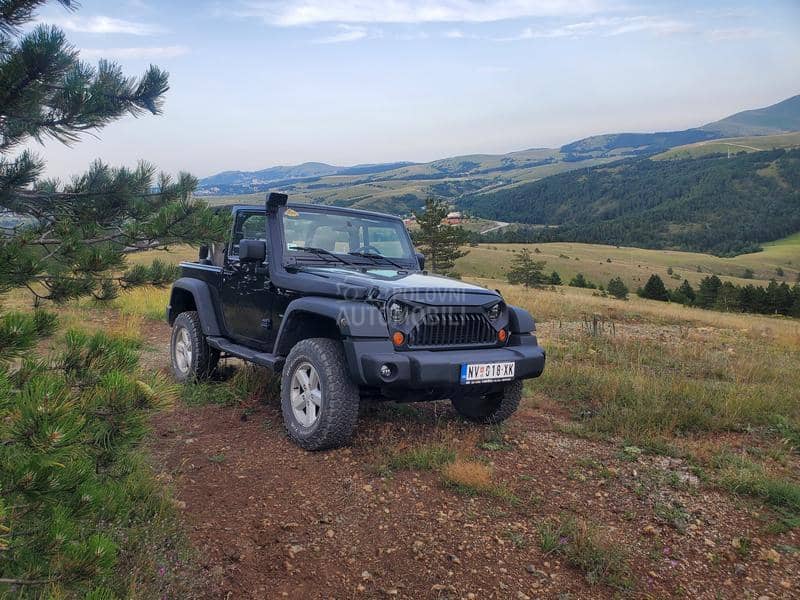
point(787, 585)
point(294, 550)
point(329, 533)
point(523, 596)
point(739, 570)
point(367, 488)
point(366, 576)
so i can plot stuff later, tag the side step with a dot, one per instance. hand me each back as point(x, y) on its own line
point(264, 359)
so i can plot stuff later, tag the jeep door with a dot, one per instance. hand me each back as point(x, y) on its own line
point(247, 295)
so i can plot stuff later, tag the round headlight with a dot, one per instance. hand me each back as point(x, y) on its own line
point(397, 312)
point(494, 311)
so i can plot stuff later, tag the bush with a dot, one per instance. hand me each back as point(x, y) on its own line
point(655, 289)
point(618, 289)
point(579, 281)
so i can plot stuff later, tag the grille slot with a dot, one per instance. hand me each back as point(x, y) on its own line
point(452, 329)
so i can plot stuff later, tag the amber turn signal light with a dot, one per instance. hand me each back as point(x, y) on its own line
point(502, 335)
point(398, 338)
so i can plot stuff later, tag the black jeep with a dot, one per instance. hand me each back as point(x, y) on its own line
point(337, 302)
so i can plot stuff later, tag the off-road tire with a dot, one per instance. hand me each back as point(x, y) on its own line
point(204, 358)
point(340, 397)
point(489, 408)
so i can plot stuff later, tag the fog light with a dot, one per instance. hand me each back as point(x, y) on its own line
point(502, 335)
point(386, 371)
point(398, 338)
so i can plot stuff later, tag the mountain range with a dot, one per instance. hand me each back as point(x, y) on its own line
point(698, 189)
point(777, 118)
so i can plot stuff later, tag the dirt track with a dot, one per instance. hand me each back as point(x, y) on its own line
point(269, 520)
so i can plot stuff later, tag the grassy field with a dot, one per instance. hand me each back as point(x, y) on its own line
point(733, 145)
point(673, 412)
point(599, 263)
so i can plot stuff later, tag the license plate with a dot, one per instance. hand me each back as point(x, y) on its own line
point(484, 372)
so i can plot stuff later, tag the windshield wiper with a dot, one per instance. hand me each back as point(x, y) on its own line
point(376, 257)
point(321, 252)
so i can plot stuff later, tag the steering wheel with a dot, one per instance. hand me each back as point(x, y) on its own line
point(368, 248)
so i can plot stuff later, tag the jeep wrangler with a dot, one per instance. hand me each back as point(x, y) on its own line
point(337, 302)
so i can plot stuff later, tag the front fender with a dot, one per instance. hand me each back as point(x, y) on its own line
point(202, 302)
point(520, 320)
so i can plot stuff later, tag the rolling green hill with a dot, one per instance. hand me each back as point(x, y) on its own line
point(778, 118)
point(710, 204)
point(402, 187)
point(733, 146)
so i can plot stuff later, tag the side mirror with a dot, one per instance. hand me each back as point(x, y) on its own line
point(421, 260)
point(252, 250)
point(203, 253)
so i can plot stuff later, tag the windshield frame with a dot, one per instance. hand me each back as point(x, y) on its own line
point(338, 259)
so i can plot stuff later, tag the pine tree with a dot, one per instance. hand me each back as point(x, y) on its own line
point(580, 281)
point(707, 292)
point(69, 240)
point(684, 294)
point(68, 423)
point(654, 289)
point(526, 271)
point(439, 241)
point(618, 289)
point(555, 278)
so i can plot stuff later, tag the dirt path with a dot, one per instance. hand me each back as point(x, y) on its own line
point(270, 520)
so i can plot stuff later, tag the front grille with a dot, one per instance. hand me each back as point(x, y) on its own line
point(452, 329)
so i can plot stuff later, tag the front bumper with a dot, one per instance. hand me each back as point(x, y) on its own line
point(419, 369)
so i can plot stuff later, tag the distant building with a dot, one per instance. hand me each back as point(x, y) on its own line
point(454, 218)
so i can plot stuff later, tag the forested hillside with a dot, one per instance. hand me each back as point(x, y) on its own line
point(710, 204)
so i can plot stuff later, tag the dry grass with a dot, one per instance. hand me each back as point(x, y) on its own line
point(599, 263)
point(149, 302)
point(566, 304)
point(468, 475)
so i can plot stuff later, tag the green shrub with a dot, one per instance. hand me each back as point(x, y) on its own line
point(72, 488)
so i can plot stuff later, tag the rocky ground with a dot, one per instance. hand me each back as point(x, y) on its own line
point(267, 519)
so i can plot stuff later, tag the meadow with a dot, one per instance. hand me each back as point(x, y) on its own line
point(732, 145)
point(681, 410)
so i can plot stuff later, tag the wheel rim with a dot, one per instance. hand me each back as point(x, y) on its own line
point(183, 350)
point(306, 395)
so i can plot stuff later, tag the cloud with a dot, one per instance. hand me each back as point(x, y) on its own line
point(455, 34)
point(606, 26)
point(142, 52)
point(287, 13)
point(347, 33)
point(103, 24)
point(739, 33)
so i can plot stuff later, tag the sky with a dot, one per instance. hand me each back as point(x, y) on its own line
point(258, 83)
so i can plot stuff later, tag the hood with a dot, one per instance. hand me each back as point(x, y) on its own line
point(387, 282)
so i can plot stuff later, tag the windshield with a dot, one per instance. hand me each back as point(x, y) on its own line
point(351, 238)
